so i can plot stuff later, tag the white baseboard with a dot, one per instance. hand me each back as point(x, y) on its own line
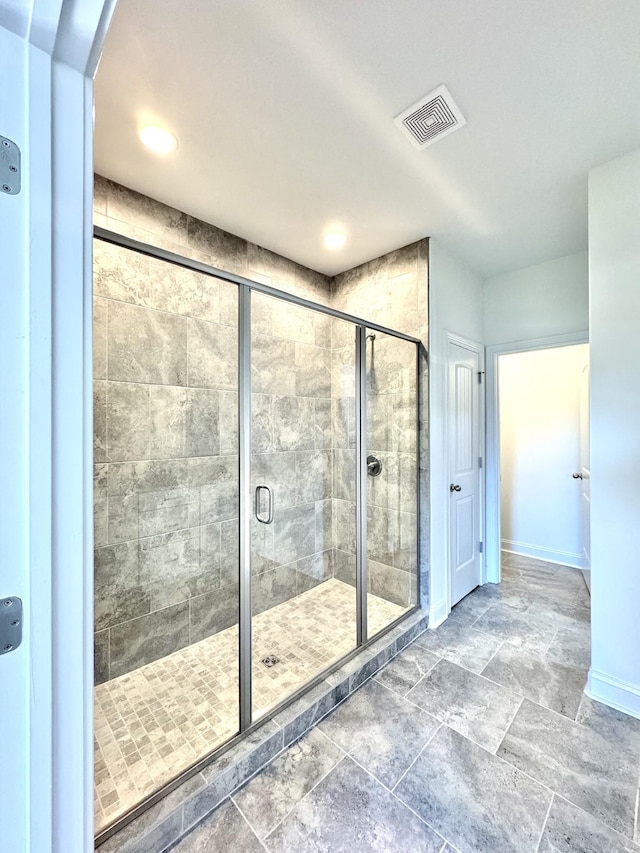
point(564, 558)
point(620, 695)
point(438, 613)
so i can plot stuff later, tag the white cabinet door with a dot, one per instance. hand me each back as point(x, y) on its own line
point(464, 469)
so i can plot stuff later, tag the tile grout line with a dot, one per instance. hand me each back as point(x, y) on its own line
point(544, 822)
point(502, 642)
point(302, 799)
point(419, 754)
point(520, 703)
point(242, 815)
point(391, 790)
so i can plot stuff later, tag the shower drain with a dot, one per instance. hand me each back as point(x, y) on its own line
point(270, 660)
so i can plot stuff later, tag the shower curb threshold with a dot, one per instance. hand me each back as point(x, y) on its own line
point(162, 825)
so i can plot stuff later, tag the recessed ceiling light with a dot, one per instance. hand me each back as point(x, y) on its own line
point(335, 240)
point(158, 139)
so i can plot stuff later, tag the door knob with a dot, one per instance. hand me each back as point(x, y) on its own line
point(577, 476)
point(455, 488)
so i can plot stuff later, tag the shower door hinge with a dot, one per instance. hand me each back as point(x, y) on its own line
point(481, 547)
point(10, 624)
point(9, 166)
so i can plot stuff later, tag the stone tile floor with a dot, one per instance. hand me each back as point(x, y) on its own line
point(477, 737)
point(157, 721)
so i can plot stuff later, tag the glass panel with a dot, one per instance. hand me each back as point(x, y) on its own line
point(303, 466)
point(166, 522)
point(392, 497)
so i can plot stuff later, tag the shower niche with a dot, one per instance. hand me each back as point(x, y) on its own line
point(256, 506)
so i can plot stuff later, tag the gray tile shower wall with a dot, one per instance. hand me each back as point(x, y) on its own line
point(391, 290)
point(166, 443)
point(166, 430)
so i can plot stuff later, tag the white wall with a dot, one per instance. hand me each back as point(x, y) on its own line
point(539, 451)
point(49, 52)
point(455, 305)
point(538, 302)
point(614, 283)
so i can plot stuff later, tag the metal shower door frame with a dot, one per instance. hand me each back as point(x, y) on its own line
point(245, 289)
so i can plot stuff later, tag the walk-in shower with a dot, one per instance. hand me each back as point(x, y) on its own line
point(245, 540)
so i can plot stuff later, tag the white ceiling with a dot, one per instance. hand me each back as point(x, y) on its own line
point(284, 114)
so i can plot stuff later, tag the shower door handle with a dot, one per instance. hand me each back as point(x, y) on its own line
point(258, 514)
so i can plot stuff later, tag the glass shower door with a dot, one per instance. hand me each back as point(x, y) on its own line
point(302, 486)
point(166, 494)
point(392, 478)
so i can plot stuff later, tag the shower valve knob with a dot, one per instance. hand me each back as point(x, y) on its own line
point(374, 466)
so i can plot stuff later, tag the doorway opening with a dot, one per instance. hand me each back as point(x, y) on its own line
point(544, 461)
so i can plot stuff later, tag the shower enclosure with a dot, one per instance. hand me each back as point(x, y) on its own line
point(256, 505)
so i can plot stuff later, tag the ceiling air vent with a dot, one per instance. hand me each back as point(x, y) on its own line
point(431, 118)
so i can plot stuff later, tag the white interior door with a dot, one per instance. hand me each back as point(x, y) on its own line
point(585, 470)
point(464, 470)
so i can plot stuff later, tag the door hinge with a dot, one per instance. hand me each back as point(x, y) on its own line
point(481, 547)
point(480, 375)
point(9, 166)
point(479, 461)
point(10, 624)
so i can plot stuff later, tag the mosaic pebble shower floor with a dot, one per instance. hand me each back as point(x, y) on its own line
point(153, 723)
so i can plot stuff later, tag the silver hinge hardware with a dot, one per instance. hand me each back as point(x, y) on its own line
point(9, 166)
point(10, 624)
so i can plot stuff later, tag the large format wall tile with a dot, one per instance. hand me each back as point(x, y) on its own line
point(292, 322)
point(146, 346)
point(278, 470)
point(213, 611)
point(227, 251)
point(323, 424)
point(313, 371)
point(120, 274)
point(269, 268)
point(166, 510)
point(99, 421)
point(313, 475)
point(390, 583)
point(100, 338)
point(219, 491)
point(167, 421)
point(179, 290)
point(123, 519)
point(149, 638)
point(167, 412)
point(202, 425)
point(295, 533)
point(213, 355)
point(270, 588)
point(273, 368)
point(146, 213)
point(294, 423)
point(128, 424)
